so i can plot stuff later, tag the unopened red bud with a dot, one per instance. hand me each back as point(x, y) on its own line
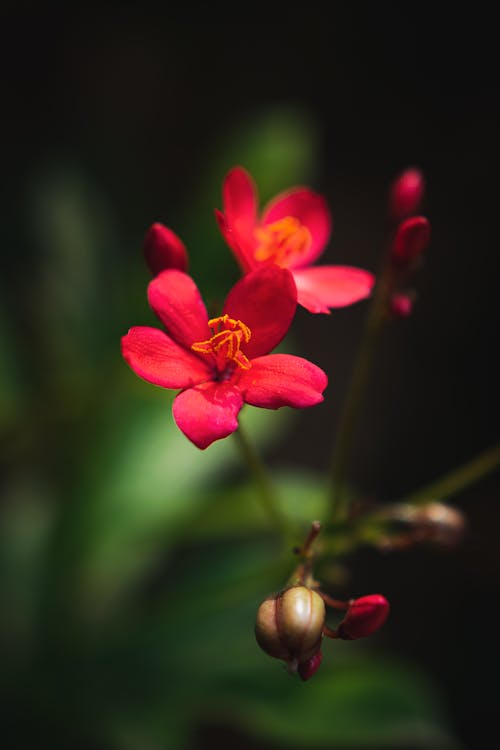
point(364, 616)
point(401, 305)
point(412, 237)
point(289, 625)
point(406, 194)
point(163, 250)
point(310, 667)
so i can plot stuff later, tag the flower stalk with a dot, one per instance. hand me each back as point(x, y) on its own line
point(267, 492)
point(377, 315)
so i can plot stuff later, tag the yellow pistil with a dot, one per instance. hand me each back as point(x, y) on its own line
point(228, 335)
point(281, 240)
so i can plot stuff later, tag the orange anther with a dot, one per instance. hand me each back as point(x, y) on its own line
point(281, 240)
point(228, 335)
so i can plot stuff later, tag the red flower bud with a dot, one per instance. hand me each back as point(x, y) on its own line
point(401, 305)
point(412, 237)
point(364, 617)
point(308, 668)
point(163, 249)
point(289, 626)
point(406, 194)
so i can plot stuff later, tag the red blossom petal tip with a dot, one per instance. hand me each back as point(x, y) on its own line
point(164, 250)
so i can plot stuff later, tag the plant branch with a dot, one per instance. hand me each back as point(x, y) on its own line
point(457, 479)
point(377, 315)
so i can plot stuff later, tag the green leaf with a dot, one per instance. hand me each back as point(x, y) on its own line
point(77, 243)
point(353, 702)
point(26, 519)
point(144, 483)
point(237, 509)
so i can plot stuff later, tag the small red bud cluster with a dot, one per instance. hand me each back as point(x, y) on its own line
point(291, 625)
point(410, 238)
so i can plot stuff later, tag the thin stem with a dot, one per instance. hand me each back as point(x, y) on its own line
point(305, 550)
point(303, 572)
point(329, 632)
point(377, 315)
point(267, 493)
point(334, 603)
point(458, 479)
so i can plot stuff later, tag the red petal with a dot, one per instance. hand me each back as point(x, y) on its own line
point(243, 250)
point(311, 209)
point(208, 412)
point(239, 197)
point(322, 287)
point(156, 358)
point(175, 298)
point(265, 300)
point(164, 249)
point(240, 201)
point(282, 380)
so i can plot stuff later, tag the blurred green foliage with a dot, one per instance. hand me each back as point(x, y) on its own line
point(132, 564)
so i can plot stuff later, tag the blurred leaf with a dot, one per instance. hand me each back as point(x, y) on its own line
point(196, 663)
point(279, 147)
point(144, 483)
point(11, 376)
point(358, 702)
point(77, 242)
point(237, 509)
point(25, 522)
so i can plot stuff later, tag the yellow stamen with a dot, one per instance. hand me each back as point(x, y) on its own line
point(281, 240)
point(228, 335)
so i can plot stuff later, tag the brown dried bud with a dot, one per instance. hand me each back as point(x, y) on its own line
point(434, 522)
point(442, 523)
point(289, 625)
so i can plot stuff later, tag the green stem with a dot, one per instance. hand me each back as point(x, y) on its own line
point(267, 493)
point(377, 315)
point(458, 479)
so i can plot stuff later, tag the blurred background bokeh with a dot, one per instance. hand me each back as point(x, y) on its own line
point(131, 564)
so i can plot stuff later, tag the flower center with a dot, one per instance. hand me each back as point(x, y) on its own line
point(281, 240)
point(225, 343)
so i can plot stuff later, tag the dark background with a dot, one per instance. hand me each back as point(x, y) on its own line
point(141, 98)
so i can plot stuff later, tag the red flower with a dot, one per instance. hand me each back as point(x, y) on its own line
point(222, 363)
point(292, 232)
